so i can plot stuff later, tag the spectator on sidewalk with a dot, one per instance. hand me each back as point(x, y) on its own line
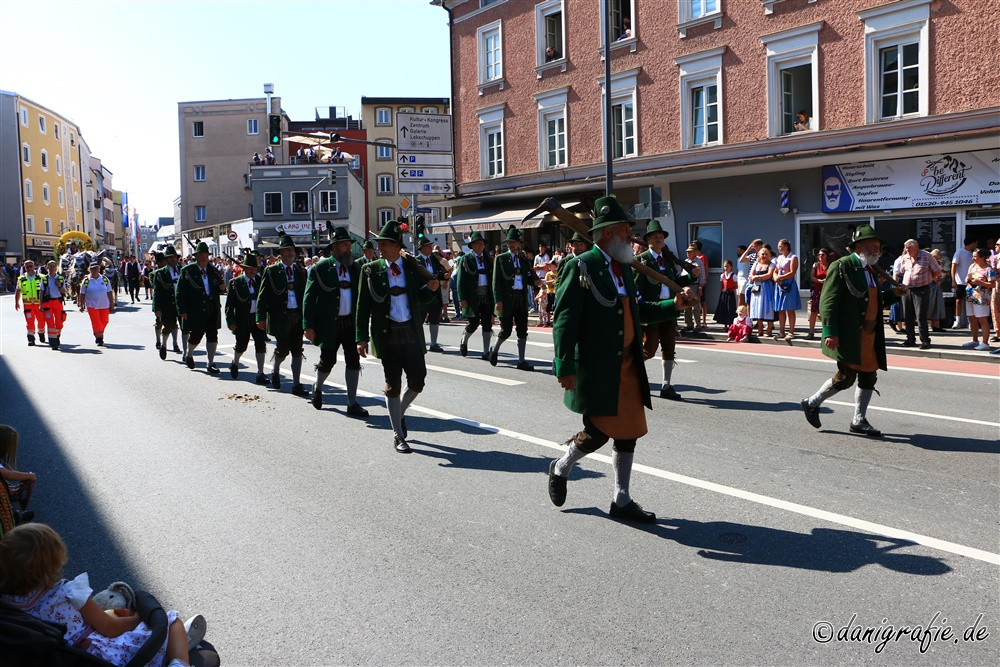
point(786, 288)
point(725, 310)
point(693, 315)
point(960, 264)
point(762, 293)
point(919, 271)
point(817, 276)
point(980, 281)
point(935, 312)
point(749, 258)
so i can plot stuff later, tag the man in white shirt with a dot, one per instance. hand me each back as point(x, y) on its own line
point(960, 264)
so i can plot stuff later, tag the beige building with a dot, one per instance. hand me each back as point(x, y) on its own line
point(378, 114)
point(217, 141)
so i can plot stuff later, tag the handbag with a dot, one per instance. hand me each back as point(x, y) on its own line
point(755, 289)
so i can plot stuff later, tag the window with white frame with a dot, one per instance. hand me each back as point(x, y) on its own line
point(24, 117)
point(26, 154)
point(384, 215)
point(29, 190)
point(200, 214)
point(484, 3)
point(58, 165)
point(272, 203)
point(897, 60)
point(328, 201)
point(46, 195)
point(300, 202)
point(383, 116)
point(429, 110)
point(489, 38)
point(62, 226)
point(76, 201)
point(550, 29)
point(41, 124)
point(385, 184)
point(199, 172)
point(384, 153)
point(691, 13)
point(198, 128)
point(701, 98)
point(623, 23)
point(252, 126)
point(793, 79)
point(29, 224)
point(552, 150)
point(60, 198)
point(624, 139)
point(73, 169)
point(491, 156)
point(48, 225)
point(55, 130)
point(44, 154)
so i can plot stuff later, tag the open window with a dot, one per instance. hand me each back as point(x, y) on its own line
point(793, 79)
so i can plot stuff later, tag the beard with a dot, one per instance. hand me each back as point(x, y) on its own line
point(866, 259)
point(346, 258)
point(620, 250)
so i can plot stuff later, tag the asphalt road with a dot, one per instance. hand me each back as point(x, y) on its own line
point(305, 539)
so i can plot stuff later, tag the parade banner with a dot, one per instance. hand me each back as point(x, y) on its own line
point(953, 179)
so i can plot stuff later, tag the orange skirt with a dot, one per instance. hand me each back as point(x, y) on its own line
point(630, 422)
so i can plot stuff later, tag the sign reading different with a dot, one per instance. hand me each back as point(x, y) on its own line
point(954, 179)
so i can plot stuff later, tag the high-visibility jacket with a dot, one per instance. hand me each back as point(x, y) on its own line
point(30, 287)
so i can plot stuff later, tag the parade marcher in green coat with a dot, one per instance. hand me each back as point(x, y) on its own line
point(598, 355)
point(662, 334)
point(329, 319)
point(428, 258)
point(165, 301)
point(198, 305)
point(850, 307)
point(580, 245)
point(367, 253)
point(512, 273)
point(391, 301)
point(474, 295)
point(241, 315)
point(279, 308)
point(161, 260)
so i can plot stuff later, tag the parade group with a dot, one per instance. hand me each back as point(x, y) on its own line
point(613, 310)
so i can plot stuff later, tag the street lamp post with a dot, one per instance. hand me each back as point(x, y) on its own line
point(608, 122)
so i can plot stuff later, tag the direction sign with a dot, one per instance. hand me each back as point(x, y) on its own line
point(426, 160)
point(423, 132)
point(425, 187)
point(427, 173)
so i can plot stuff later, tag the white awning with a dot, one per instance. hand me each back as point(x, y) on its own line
point(491, 219)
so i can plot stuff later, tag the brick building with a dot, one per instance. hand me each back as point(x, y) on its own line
point(705, 93)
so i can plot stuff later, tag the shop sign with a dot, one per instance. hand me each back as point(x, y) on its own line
point(951, 179)
point(44, 243)
point(294, 228)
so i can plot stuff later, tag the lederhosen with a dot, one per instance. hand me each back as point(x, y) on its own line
point(403, 351)
point(483, 316)
point(866, 372)
point(515, 313)
point(287, 322)
point(246, 325)
point(662, 334)
point(346, 330)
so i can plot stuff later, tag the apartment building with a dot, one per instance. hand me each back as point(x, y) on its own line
point(899, 124)
point(217, 141)
point(40, 179)
point(379, 117)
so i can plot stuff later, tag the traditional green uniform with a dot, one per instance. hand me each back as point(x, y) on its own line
point(165, 302)
point(198, 292)
point(512, 274)
point(241, 317)
point(475, 276)
point(434, 308)
point(279, 304)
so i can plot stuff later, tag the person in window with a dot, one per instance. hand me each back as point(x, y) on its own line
point(552, 54)
point(803, 121)
point(626, 29)
point(269, 157)
point(256, 159)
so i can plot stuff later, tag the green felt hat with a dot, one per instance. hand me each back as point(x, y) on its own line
point(169, 251)
point(201, 247)
point(340, 234)
point(476, 236)
point(393, 231)
point(653, 227)
point(285, 241)
point(251, 260)
point(367, 245)
point(864, 233)
point(577, 236)
point(513, 234)
point(422, 240)
point(607, 212)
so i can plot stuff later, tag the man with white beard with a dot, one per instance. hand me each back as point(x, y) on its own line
point(598, 355)
point(850, 307)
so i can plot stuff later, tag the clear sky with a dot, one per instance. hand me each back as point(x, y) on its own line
point(118, 69)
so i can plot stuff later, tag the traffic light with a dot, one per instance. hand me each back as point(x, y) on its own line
point(274, 129)
point(420, 225)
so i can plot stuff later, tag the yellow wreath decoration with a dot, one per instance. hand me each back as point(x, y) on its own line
point(83, 242)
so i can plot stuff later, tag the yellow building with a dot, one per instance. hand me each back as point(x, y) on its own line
point(50, 177)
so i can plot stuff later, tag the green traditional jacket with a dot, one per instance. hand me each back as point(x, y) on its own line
point(468, 282)
point(374, 301)
point(504, 274)
point(239, 301)
point(588, 330)
point(203, 310)
point(842, 306)
point(273, 297)
point(321, 305)
point(164, 299)
point(649, 289)
point(438, 270)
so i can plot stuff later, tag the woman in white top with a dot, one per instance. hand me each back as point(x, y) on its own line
point(786, 292)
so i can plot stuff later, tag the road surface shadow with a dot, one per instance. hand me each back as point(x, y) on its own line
point(61, 499)
point(118, 346)
point(416, 424)
point(943, 443)
point(822, 549)
point(697, 390)
point(76, 349)
point(750, 406)
point(499, 461)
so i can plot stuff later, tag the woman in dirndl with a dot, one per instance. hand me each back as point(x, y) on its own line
point(786, 290)
point(762, 292)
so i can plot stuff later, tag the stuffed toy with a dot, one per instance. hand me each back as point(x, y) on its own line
point(118, 595)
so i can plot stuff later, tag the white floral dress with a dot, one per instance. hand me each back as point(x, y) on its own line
point(62, 603)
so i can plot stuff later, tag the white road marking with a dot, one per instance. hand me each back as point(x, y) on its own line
point(964, 420)
point(995, 376)
point(805, 510)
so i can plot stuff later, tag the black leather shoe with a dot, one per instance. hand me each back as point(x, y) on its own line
point(234, 370)
point(524, 366)
point(463, 348)
point(401, 445)
point(557, 486)
point(212, 369)
point(812, 414)
point(670, 393)
point(163, 352)
point(100, 342)
point(41, 337)
point(864, 428)
point(632, 512)
point(355, 410)
point(317, 397)
point(494, 355)
point(299, 390)
point(925, 346)
point(909, 343)
point(178, 350)
point(261, 379)
point(436, 348)
point(189, 362)
point(275, 381)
